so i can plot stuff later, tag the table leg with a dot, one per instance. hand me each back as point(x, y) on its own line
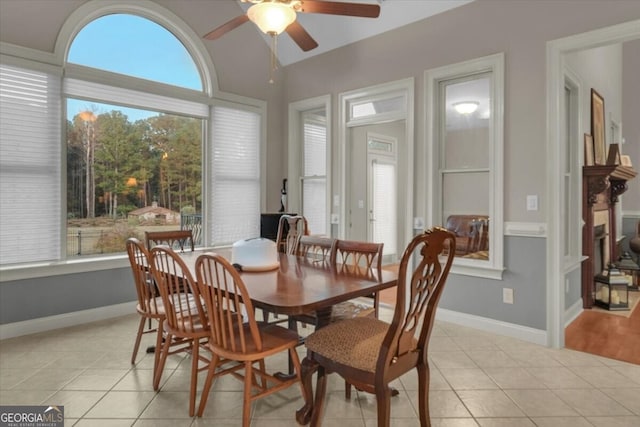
point(323, 317)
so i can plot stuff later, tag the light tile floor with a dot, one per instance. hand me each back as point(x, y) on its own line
point(477, 379)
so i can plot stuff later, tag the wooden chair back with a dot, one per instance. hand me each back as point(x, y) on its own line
point(418, 292)
point(184, 312)
point(228, 306)
point(175, 239)
point(145, 288)
point(355, 256)
point(290, 229)
point(316, 249)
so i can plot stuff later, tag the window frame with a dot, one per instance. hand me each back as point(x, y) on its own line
point(296, 153)
point(56, 63)
point(492, 268)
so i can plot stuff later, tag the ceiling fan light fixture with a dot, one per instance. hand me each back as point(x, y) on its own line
point(271, 17)
point(466, 107)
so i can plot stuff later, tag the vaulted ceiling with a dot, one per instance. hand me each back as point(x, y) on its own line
point(332, 31)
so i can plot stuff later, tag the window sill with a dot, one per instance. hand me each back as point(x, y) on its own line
point(58, 268)
point(477, 269)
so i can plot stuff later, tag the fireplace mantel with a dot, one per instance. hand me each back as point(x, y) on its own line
point(601, 187)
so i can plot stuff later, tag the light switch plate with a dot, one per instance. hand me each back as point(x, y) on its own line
point(532, 202)
point(507, 295)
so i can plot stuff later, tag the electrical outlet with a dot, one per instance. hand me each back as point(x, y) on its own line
point(507, 295)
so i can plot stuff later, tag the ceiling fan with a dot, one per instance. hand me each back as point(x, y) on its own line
point(275, 16)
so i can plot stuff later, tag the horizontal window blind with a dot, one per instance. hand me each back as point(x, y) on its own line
point(235, 175)
point(315, 149)
point(314, 204)
point(133, 98)
point(314, 185)
point(30, 158)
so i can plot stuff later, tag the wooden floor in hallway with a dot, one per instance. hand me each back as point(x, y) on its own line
point(604, 334)
point(595, 332)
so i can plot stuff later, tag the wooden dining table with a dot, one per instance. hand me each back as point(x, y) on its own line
point(298, 286)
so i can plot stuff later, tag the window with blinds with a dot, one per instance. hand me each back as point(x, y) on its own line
point(30, 171)
point(235, 175)
point(314, 174)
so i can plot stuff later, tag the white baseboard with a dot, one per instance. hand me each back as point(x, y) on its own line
point(573, 312)
point(42, 324)
point(498, 327)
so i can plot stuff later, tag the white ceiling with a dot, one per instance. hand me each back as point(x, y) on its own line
point(331, 31)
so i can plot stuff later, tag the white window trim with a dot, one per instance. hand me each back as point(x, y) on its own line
point(573, 218)
point(295, 152)
point(494, 267)
point(404, 88)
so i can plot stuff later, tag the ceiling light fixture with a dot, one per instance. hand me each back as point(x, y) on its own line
point(272, 17)
point(466, 107)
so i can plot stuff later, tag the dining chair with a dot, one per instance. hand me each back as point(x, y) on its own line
point(324, 252)
point(290, 229)
point(185, 326)
point(315, 249)
point(150, 306)
point(175, 239)
point(237, 341)
point(370, 353)
point(358, 257)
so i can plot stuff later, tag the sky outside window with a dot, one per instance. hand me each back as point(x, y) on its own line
point(133, 46)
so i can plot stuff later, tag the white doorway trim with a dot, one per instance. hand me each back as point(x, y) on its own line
point(555, 87)
point(404, 88)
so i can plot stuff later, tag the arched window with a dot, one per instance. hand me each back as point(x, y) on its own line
point(134, 159)
point(135, 46)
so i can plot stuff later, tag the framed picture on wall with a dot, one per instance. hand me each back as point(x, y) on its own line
point(598, 128)
point(588, 150)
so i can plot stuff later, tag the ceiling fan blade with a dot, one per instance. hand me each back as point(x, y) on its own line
point(339, 8)
point(301, 37)
point(225, 28)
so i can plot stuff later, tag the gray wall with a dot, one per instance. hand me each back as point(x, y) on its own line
point(526, 275)
point(47, 296)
